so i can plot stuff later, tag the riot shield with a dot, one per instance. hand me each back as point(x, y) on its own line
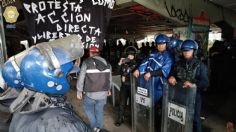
point(142, 99)
point(178, 108)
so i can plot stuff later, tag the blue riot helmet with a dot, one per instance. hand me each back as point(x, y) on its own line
point(11, 75)
point(49, 61)
point(37, 75)
point(11, 70)
point(189, 45)
point(174, 43)
point(161, 38)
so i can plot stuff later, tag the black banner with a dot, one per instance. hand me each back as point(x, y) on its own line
point(52, 19)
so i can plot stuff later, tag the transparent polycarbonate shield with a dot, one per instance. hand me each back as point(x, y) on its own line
point(178, 108)
point(142, 105)
point(71, 44)
point(69, 48)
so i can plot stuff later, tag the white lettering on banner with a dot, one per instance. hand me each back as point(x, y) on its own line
point(61, 18)
point(78, 8)
point(27, 7)
point(42, 6)
point(34, 6)
point(52, 5)
point(109, 3)
point(90, 45)
point(50, 18)
point(65, 6)
point(57, 4)
point(68, 29)
point(72, 6)
point(40, 17)
point(86, 17)
point(177, 113)
point(97, 32)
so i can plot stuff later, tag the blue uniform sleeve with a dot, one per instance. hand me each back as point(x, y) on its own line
point(167, 65)
point(143, 66)
point(203, 81)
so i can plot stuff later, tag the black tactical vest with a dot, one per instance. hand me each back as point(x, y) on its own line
point(188, 71)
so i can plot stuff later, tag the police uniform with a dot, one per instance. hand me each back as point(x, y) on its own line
point(196, 72)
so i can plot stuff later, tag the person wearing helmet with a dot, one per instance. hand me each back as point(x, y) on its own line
point(40, 73)
point(174, 47)
point(125, 67)
point(158, 66)
point(93, 86)
point(191, 72)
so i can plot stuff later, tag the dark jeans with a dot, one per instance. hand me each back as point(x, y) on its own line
point(94, 111)
point(125, 93)
point(197, 126)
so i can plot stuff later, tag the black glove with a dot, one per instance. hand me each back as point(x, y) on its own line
point(157, 73)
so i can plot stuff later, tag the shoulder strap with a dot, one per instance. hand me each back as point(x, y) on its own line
point(100, 65)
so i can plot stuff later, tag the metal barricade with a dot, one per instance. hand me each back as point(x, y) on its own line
point(178, 108)
point(142, 99)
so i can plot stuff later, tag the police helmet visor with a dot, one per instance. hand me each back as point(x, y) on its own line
point(187, 49)
point(72, 44)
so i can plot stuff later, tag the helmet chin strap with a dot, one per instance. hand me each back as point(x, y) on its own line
point(30, 101)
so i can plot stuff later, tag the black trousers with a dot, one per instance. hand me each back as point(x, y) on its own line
point(158, 115)
point(125, 94)
point(197, 125)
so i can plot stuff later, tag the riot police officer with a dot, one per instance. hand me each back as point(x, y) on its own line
point(157, 66)
point(174, 47)
point(191, 72)
point(125, 67)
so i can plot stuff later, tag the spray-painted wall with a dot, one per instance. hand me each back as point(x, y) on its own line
point(181, 10)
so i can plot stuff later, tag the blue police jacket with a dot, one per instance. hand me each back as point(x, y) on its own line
point(157, 61)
